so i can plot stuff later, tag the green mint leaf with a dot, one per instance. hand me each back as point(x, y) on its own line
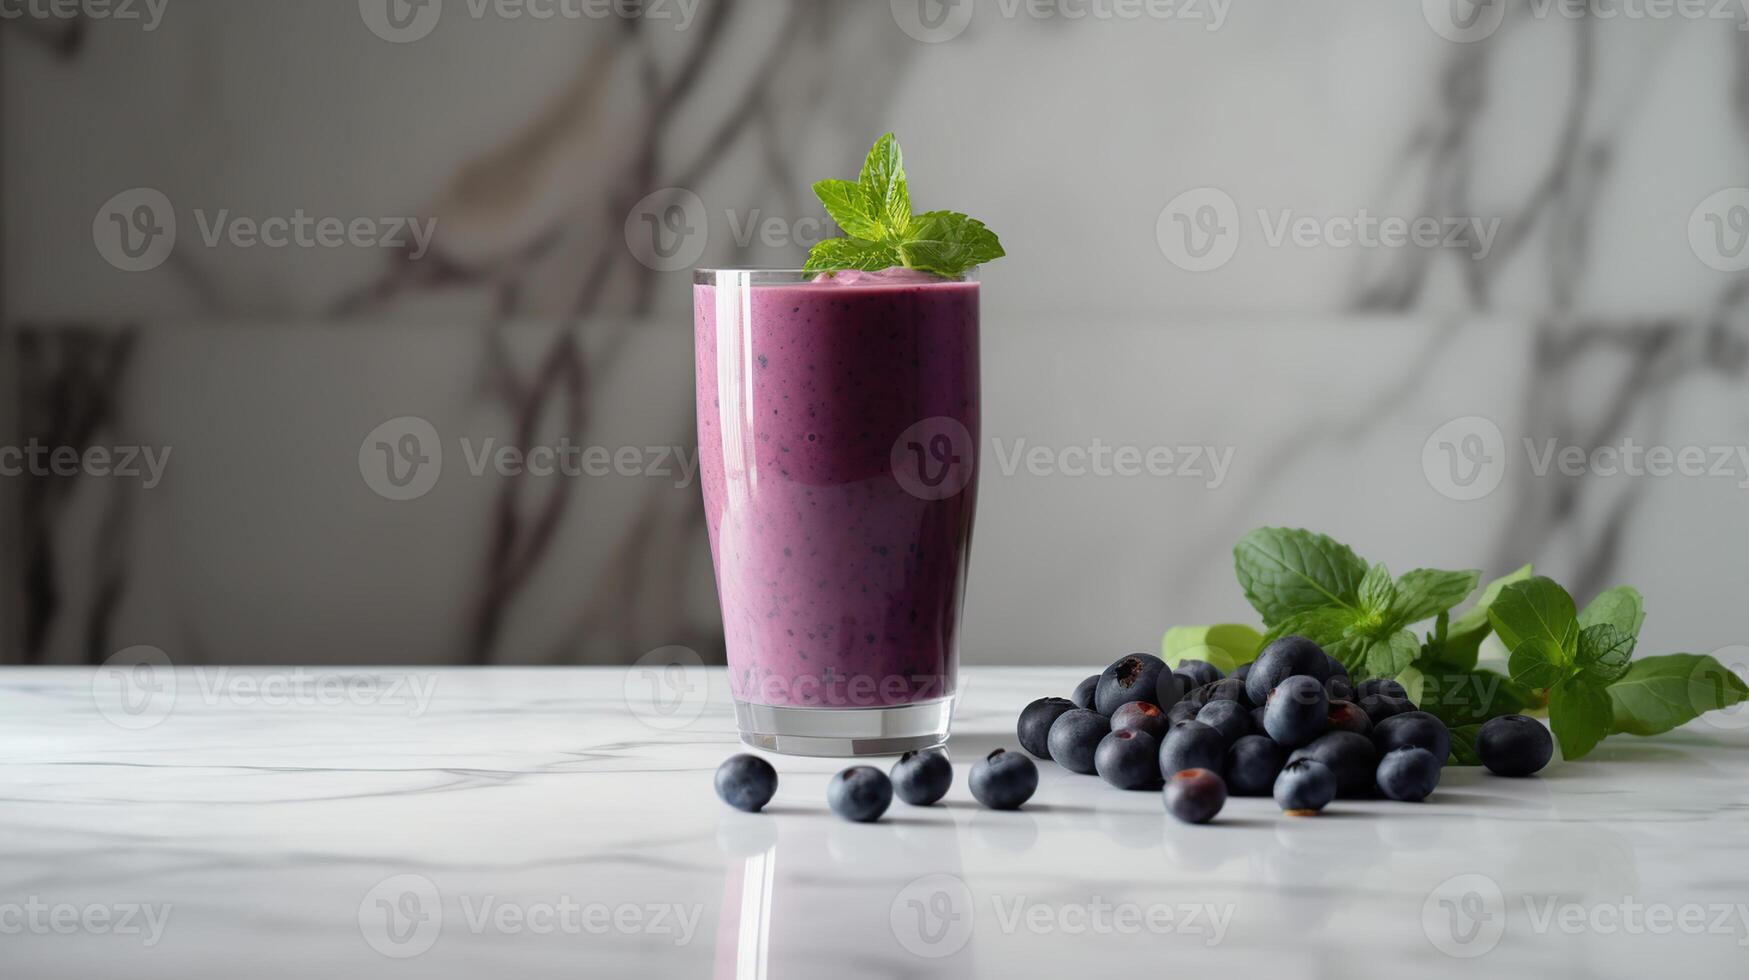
point(1580, 715)
point(883, 178)
point(948, 243)
point(1463, 745)
point(852, 207)
point(1604, 651)
point(1464, 636)
point(1463, 697)
point(1390, 655)
point(1621, 607)
point(1658, 694)
point(1284, 571)
point(1537, 608)
point(836, 254)
point(1427, 592)
point(1376, 593)
point(1227, 645)
point(1538, 663)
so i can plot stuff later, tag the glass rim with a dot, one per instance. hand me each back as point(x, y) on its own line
point(790, 277)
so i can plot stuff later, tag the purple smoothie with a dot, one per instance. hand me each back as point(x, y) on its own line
point(838, 425)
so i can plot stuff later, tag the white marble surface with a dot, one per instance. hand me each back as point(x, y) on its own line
point(258, 816)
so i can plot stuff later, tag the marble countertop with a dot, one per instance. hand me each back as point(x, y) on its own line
point(561, 822)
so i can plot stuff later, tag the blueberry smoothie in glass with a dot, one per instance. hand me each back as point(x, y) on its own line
point(838, 425)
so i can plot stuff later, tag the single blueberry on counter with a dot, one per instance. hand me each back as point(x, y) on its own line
point(1195, 795)
point(1075, 736)
point(1304, 787)
point(1289, 656)
point(1034, 728)
point(1140, 716)
point(1196, 673)
point(1298, 711)
point(1230, 718)
point(860, 794)
point(1129, 760)
point(1192, 745)
point(1004, 780)
point(746, 782)
point(1413, 728)
point(1137, 677)
point(1252, 765)
point(922, 778)
point(1352, 757)
point(1514, 745)
point(1084, 691)
point(1408, 774)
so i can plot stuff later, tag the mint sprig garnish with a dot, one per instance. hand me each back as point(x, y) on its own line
point(874, 212)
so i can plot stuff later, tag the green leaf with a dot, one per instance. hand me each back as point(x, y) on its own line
point(837, 254)
point(1658, 694)
point(948, 243)
point(1390, 655)
point(1537, 608)
point(1286, 571)
point(1427, 592)
point(1376, 591)
point(883, 176)
point(1465, 633)
point(1331, 628)
point(1580, 716)
point(1603, 653)
point(1463, 697)
point(852, 207)
point(1463, 745)
point(1227, 645)
point(1538, 662)
point(1621, 607)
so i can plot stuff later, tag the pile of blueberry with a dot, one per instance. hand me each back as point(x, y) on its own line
point(1290, 724)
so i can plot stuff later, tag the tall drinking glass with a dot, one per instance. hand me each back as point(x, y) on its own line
point(838, 434)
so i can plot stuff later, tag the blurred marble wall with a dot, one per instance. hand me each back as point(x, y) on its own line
point(1374, 268)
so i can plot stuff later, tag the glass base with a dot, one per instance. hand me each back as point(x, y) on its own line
point(845, 732)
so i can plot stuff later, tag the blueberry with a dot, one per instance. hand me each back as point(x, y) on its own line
point(1257, 714)
point(1290, 656)
point(1514, 745)
point(1230, 718)
point(1351, 757)
point(1140, 716)
point(1195, 795)
point(1196, 673)
point(1378, 707)
point(1137, 677)
point(1004, 780)
point(1337, 667)
point(1192, 745)
point(1241, 671)
point(922, 778)
point(860, 793)
point(1346, 716)
point(746, 782)
point(1225, 689)
point(1304, 787)
point(1416, 728)
point(1129, 760)
point(1298, 711)
point(1340, 688)
point(1075, 736)
point(1252, 765)
point(1182, 711)
point(1381, 685)
point(1408, 774)
point(1034, 728)
point(1084, 691)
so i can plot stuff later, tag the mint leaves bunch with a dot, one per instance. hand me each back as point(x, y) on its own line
point(1576, 663)
point(874, 211)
